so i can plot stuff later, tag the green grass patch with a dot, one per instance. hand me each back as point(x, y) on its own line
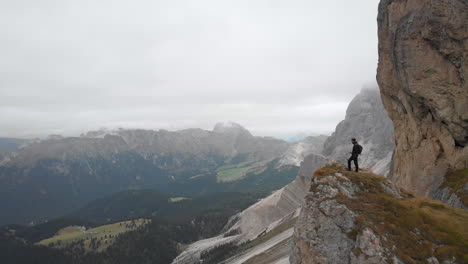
point(94, 239)
point(177, 199)
point(232, 174)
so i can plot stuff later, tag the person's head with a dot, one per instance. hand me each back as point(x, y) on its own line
point(353, 140)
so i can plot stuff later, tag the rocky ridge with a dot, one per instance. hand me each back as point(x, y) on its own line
point(363, 218)
point(422, 74)
point(223, 141)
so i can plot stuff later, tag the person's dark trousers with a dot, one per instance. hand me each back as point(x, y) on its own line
point(353, 157)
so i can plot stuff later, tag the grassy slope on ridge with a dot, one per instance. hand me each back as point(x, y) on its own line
point(418, 228)
point(94, 239)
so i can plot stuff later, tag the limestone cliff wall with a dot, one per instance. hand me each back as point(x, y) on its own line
point(423, 75)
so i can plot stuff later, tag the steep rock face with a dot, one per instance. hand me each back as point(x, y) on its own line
point(363, 218)
point(368, 122)
point(423, 74)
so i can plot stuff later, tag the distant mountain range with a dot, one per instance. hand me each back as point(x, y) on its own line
point(51, 177)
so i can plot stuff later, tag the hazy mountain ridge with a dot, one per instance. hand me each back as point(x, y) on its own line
point(48, 178)
point(229, 142)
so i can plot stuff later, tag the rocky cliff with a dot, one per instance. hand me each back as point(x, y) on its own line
point(358, 218)
point(423, 74)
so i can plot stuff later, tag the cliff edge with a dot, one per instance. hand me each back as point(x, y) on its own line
point(360, 217)
point(423, 77)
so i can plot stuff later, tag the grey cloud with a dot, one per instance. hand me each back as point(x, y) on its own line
point(276, 67)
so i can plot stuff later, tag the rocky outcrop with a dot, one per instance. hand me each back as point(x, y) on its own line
point(423, 77)
point(363, 218)
point(368, 122)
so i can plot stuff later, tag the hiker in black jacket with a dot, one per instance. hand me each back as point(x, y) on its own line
point(357, 149)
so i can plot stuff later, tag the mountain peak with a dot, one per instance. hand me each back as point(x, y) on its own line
point(229, 127)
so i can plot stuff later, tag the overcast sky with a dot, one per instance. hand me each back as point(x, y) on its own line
point(277, 67)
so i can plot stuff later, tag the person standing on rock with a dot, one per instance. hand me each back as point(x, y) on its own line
point(357, 149)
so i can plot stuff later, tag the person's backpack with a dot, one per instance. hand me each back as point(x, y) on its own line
point(359, 149)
